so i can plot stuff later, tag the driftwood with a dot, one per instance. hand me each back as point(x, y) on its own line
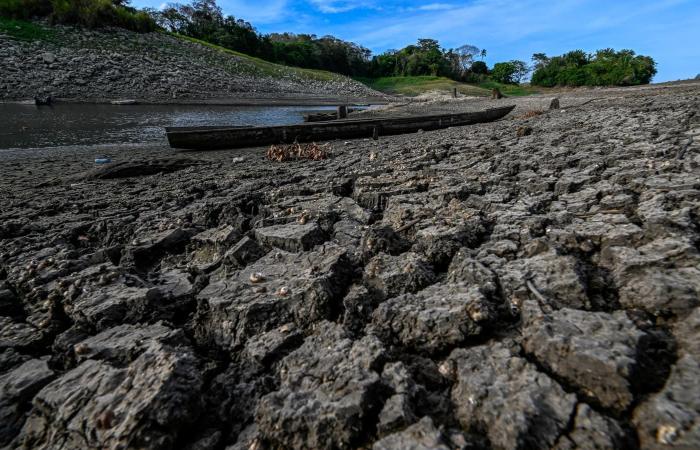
point(43, 101)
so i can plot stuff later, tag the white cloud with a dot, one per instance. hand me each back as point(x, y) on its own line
point(338, 6)
point(436, 7)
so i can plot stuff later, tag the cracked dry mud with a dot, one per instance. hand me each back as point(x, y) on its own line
point(459, 289)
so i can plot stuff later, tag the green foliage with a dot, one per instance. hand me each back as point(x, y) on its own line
point(503, 72)
point(416, 85)
point(427, 58)
point(479, 68)
point(86, 13)
point(25, 31)
point(510, 90)
point(604, 68)
point(511, 72)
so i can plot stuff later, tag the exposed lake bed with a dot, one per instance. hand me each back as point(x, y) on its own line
point(460, 287)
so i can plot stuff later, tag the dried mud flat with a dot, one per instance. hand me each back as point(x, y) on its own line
point(529, 283)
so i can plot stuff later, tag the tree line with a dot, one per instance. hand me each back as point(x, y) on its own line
point(205, 20)
point(605, 67)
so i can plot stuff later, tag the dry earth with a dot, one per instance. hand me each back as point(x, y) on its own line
point(529, 283)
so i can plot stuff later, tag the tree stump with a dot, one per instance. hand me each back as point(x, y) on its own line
point(342, 112)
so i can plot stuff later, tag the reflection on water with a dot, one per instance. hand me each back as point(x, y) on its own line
point(26, 126)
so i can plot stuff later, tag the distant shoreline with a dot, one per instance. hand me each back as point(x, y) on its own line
point(250, 101)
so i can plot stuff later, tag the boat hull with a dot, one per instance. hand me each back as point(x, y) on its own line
point(217, 138)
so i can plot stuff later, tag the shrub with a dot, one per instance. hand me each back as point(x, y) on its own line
point(24, 9)
point(86, 13)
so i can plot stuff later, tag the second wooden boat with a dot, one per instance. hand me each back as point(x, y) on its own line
point(216, 138)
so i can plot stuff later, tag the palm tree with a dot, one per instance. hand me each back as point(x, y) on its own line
point(483, 54)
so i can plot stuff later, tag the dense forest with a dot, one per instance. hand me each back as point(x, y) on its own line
point(205, 20)
point(603, 68)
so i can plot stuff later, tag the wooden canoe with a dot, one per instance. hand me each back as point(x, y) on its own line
point(216, 138)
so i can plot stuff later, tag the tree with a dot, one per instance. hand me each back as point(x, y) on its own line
point(503, 72)
point(521, 70)
point(479, 68)
point(539, 60)
point(511, 72)
point(466, 54)
point(483, 53)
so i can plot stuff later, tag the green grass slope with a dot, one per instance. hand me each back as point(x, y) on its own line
point(412, 86)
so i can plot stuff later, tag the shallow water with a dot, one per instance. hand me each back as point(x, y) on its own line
point(28, 126)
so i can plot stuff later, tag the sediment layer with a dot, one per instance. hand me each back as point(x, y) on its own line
point(529, 283)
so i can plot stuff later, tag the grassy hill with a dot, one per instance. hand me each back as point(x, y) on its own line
point(412, 86)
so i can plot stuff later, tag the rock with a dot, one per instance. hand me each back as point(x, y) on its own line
point(298, 288)
point(17, 388)
point(18, 336)
point(434, 319)
point(245, 251)
point(671, 417)
point(524, 131)
point(269, 347)
point(291, 237)
point(465, 269)
point(381, 240)
point(592, 430)
point(661, 277)
point(130, 169)
point(328, 388)
point(147, 251)
point(122, 344)
point(395, 275)
point(395, 414)
point(423, 435)
point(104, 298)
point(97, 405)
point(556, 277)
point(503, 394)
point(358, 305)
point(9, 304)
point(210, 245)
point(604, 355)
point(48, 58)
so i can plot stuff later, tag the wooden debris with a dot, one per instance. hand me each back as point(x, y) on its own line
point(289, 152)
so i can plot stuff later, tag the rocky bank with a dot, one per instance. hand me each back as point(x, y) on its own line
point(118, 64)
point(531, 283)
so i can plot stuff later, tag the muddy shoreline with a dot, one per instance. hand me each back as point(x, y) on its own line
point(528, 283)
point(276, 100)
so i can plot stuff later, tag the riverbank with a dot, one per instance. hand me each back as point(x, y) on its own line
point(528, 282)
point(115, 64)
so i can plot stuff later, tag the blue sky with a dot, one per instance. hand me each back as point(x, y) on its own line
point(667, 30)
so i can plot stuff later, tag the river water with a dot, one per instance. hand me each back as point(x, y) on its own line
point(63, 125)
